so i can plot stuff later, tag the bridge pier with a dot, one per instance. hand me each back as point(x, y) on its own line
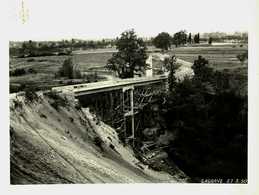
point(128, 97)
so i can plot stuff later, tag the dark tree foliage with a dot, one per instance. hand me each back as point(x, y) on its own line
point(29, 48)
point(30, 94)
point(201, 69)
point(36, 49)
point(210, 40)
point(69, 70)
point(170, 64)
point(131, 55)
point(57, 100)
point(163, 41)
point(190, 38)
point(209, 118)
point(196, 38)
point(242, 57)
point(180, 38)
point(17, 72)
point(32, 71)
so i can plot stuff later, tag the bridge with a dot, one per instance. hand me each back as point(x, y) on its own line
point(118, 102)
point(111, 85)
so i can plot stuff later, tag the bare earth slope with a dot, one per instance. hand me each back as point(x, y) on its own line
point(63, 146)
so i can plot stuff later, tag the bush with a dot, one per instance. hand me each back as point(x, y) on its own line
point(58, 101)
point(53, 95)
point(30, 94)
point(17, 104)
point(32, 71)
point(31, 60)
point(202, 70)
point(17, 72)
point(78, 106)
point(14, 88)
point(70, 70)
point(242, 57)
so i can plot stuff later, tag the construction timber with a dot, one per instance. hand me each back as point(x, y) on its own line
point(118, 101)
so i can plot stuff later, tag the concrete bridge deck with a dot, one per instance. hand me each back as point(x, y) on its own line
point(104, 86)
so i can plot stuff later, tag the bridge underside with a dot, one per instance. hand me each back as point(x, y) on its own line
point(124, 108)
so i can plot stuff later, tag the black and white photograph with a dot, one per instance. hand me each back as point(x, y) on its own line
point(128, 92)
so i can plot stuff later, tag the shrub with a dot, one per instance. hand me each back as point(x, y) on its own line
point(78, 106)
point(70, 70)
point(17, 104)
point(17, 72)
point(32, 71)
point(201, 69)
point(30, 94)
point(31, 60)
point(242, 57)
point(57, 100)
point(14, 88)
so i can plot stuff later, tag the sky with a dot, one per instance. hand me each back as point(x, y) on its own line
point(97, 19)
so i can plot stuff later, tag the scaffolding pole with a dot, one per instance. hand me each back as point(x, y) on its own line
point(132, 117)
point(128, 97)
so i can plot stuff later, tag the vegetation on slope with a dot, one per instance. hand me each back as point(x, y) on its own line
point(208, 113)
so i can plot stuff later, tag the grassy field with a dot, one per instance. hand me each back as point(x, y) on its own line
point(220, 58)
point(91, 60)
point(48, 66)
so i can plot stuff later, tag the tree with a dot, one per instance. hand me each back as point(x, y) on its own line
point(180, 38)
point(211, 136)
point(69, 69)
point(170, 63)
point(190, 38)
point(208, 128)
point(242, 57)
point(28, 48)
point(201, 69)
point(131, 55)
point(197, 38)
point(210, 40)
point(162, 41)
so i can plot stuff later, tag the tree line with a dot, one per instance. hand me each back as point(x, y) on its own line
point(164, 40)
point(65, 47)
point(131, 57)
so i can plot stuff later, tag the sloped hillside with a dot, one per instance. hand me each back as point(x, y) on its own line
point(54, 141)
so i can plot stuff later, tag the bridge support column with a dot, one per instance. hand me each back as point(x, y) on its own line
point(128, 107)
point(132, 117)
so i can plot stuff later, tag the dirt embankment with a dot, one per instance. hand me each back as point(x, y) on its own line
point(66, 144)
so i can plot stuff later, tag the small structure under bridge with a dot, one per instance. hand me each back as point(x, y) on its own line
point(118, 102)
